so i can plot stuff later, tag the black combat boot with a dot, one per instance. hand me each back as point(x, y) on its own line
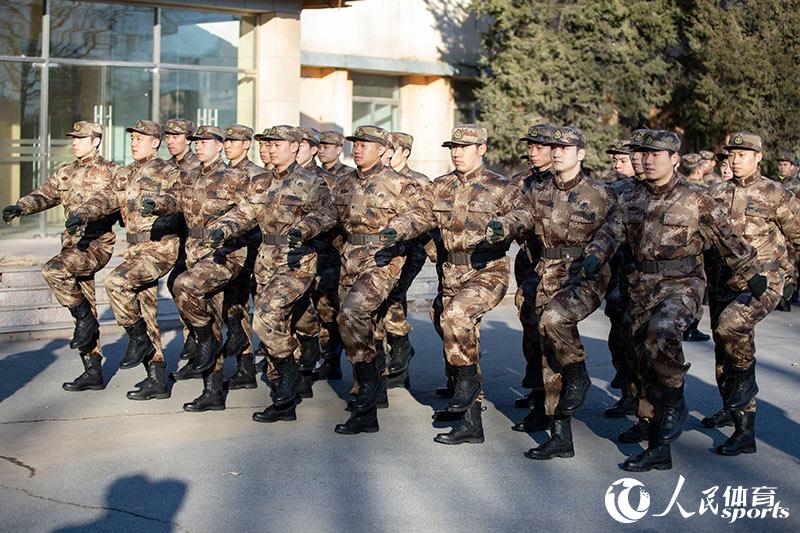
point(310, 354)
point(155, 386)
point(213, 396)
point(330, 367)
point(262, 366)
point(92, 377)
point(189, 344)
point(360, 422)
point(536, 420)
point(673, 414)
point(626, 405)
point(574, 388)
point(245, 376)
point(448, 390)
point(743, 389)
point(402, 352)
point(140, 347)
point(657, 456)
point(720, 419)
point(236, 342)
point(525, 401)
point(636, 433)
point(207, 348)
point(275, 414)
point(383, 392)
point(187, 371)
point(743, 439)
point(467, 387)
point(288, 381)
point(470, 430)
point(560, 442)
point(784, 305)
point(364, 412)
point(86, 326)
point(692, 334)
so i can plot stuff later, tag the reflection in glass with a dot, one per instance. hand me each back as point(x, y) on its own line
point(375, 86)
point(202, 38)
point(21, 28)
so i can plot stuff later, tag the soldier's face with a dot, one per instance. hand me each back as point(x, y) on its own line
point(467, 158)
point(366, 154)
point(566, 158)
point(659, 166)
point(283, 153)
point(636, 163)
point(725, 170)
point(539, 155)
point(235, 150)
point(621, 163)
point(386, 158)
point(400, 157)
point(744, 162)
point(306, 152)
point(143, 146)
point(207, 150)
point(786, 168)
point(83, 146)
point(328, 153)
point(177, 143)
point(263, 152)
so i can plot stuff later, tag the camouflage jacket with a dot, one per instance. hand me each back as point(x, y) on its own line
point(531, 244)
point(248, 167)
point(129, 186)
point(188, 163)
point(339, 169)
point(277, 202)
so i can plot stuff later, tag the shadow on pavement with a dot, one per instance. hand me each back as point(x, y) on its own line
point(19, 369)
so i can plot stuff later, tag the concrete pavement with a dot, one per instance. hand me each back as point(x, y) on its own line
point(95, 461)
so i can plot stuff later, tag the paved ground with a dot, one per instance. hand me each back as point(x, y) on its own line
point(95, 461)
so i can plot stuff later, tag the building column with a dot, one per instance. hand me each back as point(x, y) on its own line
point(327, 99)
point(426, 104)
point(278, 98)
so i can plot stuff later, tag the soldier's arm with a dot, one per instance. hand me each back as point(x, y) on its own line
point(737, 252)
point(322, 217)
point(417, 212)
point(518, 207)
point(168, 202)
point(241, 218)
point(788, 218)
point(608, 237)
point(42, 197)
point(106, 201)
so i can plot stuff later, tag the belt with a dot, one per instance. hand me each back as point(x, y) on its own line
point(654, 267)
point(274, 240)
point(562, 252)
point(197, 233)
point(772, 266)
point(464, 258)
point(363, 238)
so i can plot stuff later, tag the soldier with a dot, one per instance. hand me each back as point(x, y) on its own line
point(132, 286)
point(710, 174)
point(694, 168)
point(540, 171)
point(667, 223)
point(725, 171)
point(367, 201)
point(475, 272)
point(620, 153)
point(767, 216)
point(789, 171)
point(263, 149)
point(330, 149)
point(70, 274)
point(564, 212)
point(291, 206)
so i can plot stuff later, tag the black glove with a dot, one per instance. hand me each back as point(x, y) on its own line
point(73, 222)
point(788, 291)
point(11, 212)
point(495, 231)
point(590, 268)
point(215, 238)
point(388, 237)
point(757, 285)
point(148, 206)
point(294, 237)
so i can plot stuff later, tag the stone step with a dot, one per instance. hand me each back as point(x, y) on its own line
point(42, 295)
point(22, 317)
point(64, 330)
point(18, 277)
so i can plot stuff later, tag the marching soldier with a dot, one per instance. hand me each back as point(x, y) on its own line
point(694, 169)
point(70, 274)
point(330, 150)
point(789, 171)
point(667, 223)
point(132, 286)
point(620, 153)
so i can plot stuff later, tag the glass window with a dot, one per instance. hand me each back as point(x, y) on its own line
point(207, 98)
point(21, 28)
point(199, 38)
point(466, 105)
point(376, 100)
point(90, 30)
point(376, 86)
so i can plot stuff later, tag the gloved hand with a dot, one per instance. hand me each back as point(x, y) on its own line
point(11, 212)
point(495, 232)
point(590, 268)
point(73, 222)
point(294, 237)
point(388, 237)
point(215, 238)
point(757, 285)
point(788, 291)
point(148, 206)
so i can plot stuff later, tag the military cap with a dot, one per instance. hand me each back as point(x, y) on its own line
point(619, 146)
point(788, 155)
point(372, 134)
point(282, 132)
point(85, 129)
point(658, 140)
point(744, 140)
point(146, 127)
point(707, 155)
point(402, 140)
point(637, 136)
point(238, 132)
point(539, 134)
point(722, 156)
point(691, 161)
point(203, 133)
point(311, 135)
point(179, 126)
point(331, 137)
point(466, 134)
point(568, 136)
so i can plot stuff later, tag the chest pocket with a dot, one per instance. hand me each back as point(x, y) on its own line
point(219, 201)
point(759, 220)
point(291, 208)
point(443, 211)
point(581, 226)
point(675, 230)
point(479, 213)
point(379, 208)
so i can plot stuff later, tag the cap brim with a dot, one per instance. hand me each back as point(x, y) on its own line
point(535, 140)
point(617, 152)
point(132, 130)
point(331, 142)
point(367, 138)
point(450, 144)
point(78, 135)
point(176, 132)
point(740, 147)
point(563, 143)
point(209, 138)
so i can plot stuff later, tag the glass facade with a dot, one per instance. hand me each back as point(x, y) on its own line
point(112, 63)
point(376, 100)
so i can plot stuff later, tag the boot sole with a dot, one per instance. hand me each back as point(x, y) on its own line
point(629, 468)
point(711, 425)
point(470, 440)
point(278, 419)
point(244, 386)
point(214, 408)
point(365, 430)
point(90, 387)
point(565, 455)
point(733, 454)
point(163, 396)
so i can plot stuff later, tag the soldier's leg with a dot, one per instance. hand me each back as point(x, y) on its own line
point(213, 396)
point(236, 313)
point(326, 301)
point(396, 325)
point(189, 340)
point(717, 302)
point(307, 330)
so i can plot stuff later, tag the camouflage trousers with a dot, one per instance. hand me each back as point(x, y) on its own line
point(733, 320)
point(132, 286)
point(239, 291)
point(395, 322)
point(558, 328)
point(70, 275)
point(618, 338)
point(319, 317)
point(525, 300)
point(177, 270)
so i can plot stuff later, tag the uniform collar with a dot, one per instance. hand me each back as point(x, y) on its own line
point(94, 156)
point(667, 187)
point(371, 172)
point(748, 180)
point(213, 167)
point(291, 168)
point(471, 174)
point(567, 185)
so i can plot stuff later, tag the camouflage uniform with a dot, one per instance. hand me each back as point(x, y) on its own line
point(338, 168)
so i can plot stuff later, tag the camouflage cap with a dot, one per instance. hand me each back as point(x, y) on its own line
point(372, 134)
point(146, 127)
point(203, 133)
point(722, 156)
point(311, 135)
point(744, 140)
point(85, 129)
point(637, 136)
point(179, 126)
point(691, 161)
point(568, 136)
point(282, 132)
point(658, 140)
point(707, 155)
point(238, 132)
point(788, 155)
point(466, 134)
point(403, 140)
point(619, 146)
point(539, 134)
point(331, 137)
